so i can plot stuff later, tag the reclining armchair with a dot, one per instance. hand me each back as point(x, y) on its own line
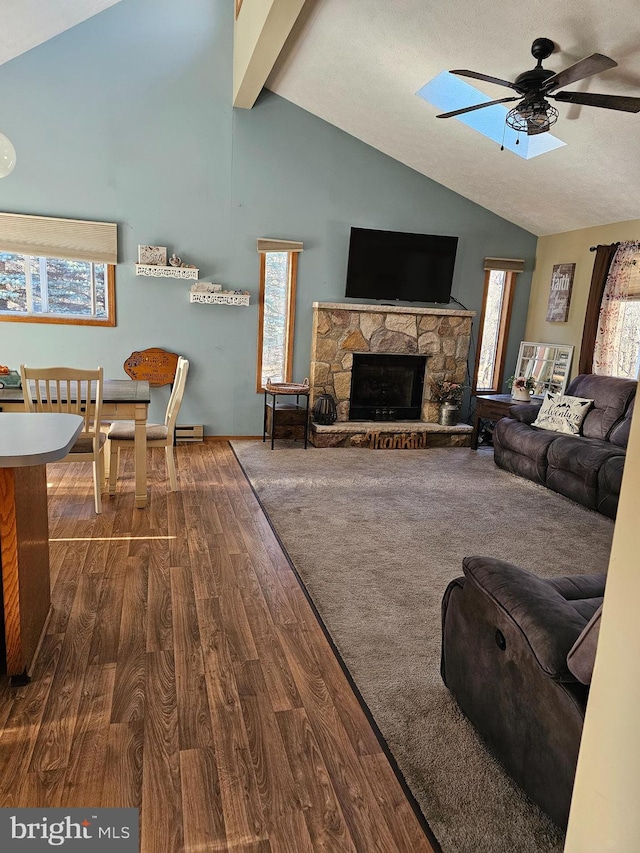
point(517, 655)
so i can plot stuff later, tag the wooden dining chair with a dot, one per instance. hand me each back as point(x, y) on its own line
point(77, 392)
point(121, 433)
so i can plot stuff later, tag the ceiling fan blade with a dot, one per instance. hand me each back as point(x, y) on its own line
point(476, 107)
point(609, 102)
point(593, 64)
point(477, 76)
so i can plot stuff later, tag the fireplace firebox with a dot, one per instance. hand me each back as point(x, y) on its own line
point(386, 387)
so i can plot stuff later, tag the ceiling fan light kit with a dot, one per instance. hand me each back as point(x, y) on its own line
point(532, 118)
point(534, 114)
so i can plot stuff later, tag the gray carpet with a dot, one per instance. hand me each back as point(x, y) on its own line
point(376, 536)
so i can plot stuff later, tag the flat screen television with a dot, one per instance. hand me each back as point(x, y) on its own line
point(397, 265)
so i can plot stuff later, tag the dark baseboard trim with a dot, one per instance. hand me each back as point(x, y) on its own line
point(354, 687)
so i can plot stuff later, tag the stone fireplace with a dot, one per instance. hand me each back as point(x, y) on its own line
point(345, 338)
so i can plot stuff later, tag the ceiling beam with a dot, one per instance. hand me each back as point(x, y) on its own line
point(261, 29)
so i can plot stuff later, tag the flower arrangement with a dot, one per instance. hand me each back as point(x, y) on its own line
point(445, 391)
point(522, 383)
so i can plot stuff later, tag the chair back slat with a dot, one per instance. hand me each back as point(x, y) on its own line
point(65, 389)
point(177, 393)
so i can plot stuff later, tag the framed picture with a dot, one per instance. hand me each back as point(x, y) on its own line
point(560, 293)
point(153, 255)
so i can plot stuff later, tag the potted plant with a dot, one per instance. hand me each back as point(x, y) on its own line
point(449, 395)
point(522, 387)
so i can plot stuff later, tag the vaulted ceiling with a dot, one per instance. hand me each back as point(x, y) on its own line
point(28, 23)
point(358, 65)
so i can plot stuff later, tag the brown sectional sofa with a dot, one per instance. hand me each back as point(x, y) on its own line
point(587, 467)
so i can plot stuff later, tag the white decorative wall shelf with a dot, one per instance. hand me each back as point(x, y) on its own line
point(166, 272)
point(224, 297)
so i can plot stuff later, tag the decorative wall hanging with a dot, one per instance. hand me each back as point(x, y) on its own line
point(560, 293)
point(156, 365)
point(152, 255)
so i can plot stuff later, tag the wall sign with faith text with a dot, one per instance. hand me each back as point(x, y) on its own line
point(560, 293)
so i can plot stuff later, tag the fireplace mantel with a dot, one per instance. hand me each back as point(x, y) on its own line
point(341, 328)
point(381, 308)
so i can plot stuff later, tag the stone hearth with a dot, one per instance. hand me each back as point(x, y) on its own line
point(390, 435)
point(342, 329)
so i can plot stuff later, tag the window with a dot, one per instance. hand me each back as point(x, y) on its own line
point(278, 272)
point(499, 282)
point(54, 290)
point(57, 270)
point(626, 360)
point(617, 346)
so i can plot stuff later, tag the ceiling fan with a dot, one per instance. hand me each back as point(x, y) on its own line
point(534, 114)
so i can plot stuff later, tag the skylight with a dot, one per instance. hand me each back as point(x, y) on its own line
point(448, 92)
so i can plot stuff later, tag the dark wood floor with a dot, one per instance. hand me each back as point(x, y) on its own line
point(184, 673)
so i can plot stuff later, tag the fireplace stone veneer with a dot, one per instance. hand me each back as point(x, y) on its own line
point(342, 329)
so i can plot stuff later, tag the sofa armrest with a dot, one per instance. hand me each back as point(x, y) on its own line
point(550, 624)
point(525, 413)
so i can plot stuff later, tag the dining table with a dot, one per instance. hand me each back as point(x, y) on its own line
point(122, 400)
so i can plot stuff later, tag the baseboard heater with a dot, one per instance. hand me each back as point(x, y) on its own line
point(189, 433)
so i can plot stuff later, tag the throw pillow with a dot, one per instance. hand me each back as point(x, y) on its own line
point(562, 413)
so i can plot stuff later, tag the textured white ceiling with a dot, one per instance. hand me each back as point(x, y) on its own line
point(358, 64)
point(27, 23)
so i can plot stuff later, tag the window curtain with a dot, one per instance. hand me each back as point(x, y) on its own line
point(71, 239)
point(266, 244)
point(601, 266)
point(506, 264)
point(620, 283)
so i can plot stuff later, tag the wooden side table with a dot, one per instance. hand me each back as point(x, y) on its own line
point(287, 419)
point(491, 407)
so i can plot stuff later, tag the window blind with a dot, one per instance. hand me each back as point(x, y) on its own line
point(507, 264)
point(72, 239)
point(267, 245)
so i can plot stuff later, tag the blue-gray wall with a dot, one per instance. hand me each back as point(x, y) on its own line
point(127, 118)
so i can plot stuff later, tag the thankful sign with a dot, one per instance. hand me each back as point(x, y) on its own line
point(396, 441)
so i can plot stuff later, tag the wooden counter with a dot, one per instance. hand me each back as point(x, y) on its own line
point(27, 442)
